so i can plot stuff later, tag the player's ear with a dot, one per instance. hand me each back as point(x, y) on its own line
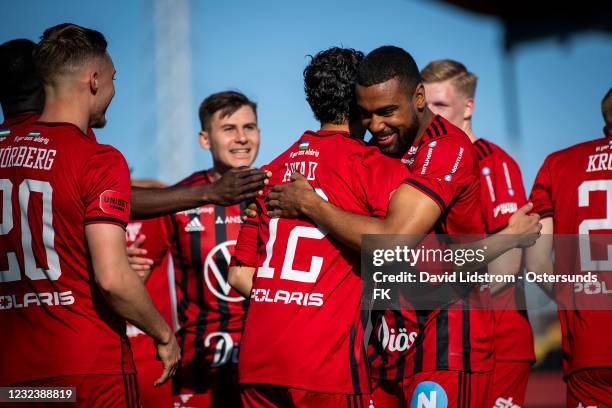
point(418, 98)
point(94, 79)
point(468, 108)
point(204, 139)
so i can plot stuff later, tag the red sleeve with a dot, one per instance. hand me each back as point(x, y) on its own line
point(503, 191)
point(157, 238)
point(106, 187)
point(245, 252)
point(541, 193)
point(378, 176)
point(441, 169)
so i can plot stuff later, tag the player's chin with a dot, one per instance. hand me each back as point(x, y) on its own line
point(241, 161)
point(98, 123)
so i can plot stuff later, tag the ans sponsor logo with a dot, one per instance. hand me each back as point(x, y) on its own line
point(505, 403)
point(592, 288)
point(395, 341)
point(195, 225)
point(429, 394)
point(261, 295)
point(504, 208)
point(215, 279)
point(36, 299)
point(232, 219)
point(225, 350)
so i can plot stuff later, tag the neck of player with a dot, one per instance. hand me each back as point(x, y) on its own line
point(65, 107)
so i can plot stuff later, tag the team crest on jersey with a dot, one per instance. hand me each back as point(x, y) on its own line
point(213, 276)
point(115, 203)
point(433, 144)
point(486, 171)
point(448, 177)
point(511, 192)
point(429, 394)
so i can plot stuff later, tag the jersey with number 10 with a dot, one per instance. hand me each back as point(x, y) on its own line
point(574, 186)
point(305, 326)
point(55, 180)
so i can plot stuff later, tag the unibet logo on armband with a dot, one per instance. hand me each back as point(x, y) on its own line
point(429, 394)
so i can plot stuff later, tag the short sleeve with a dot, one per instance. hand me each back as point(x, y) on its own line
point(441, 170)
point(503, 191)
point(245, 251)
point(378, 177)
point(541, 193)
point(106, 187)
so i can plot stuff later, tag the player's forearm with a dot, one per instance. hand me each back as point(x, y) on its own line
point(127, 296)
point(241, 279)
point(506, 264)
point(491, 248)
point(344, 226)
point(541, 263)
point(154, 202)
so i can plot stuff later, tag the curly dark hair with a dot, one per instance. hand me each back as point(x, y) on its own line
point(388, 62)
point(329, 83)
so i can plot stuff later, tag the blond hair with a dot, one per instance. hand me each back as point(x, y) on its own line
point(443, 70)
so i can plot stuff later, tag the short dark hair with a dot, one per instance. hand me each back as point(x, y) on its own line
point(66, 46)
point(606, 109)
point(388, 62)
point(329, 83)
point(18, 77)
point(227, 102)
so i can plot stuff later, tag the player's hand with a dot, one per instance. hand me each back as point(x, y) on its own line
point(170, 354)
point(524, 227)
point(285, 200)
point(250, 211)
point(141, 265)
point(236, 185)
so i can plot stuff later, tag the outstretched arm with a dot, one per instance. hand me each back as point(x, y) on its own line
point(233, 187)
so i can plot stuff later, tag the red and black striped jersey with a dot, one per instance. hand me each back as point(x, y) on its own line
point(305, 326)
point(574, 187)
point(444, 166)
point(210, 313)
point(502, 195)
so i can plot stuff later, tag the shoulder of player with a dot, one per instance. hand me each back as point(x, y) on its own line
point(490, 152)
point(572, 150)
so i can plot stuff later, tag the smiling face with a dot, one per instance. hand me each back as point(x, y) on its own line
point(103, 83)
point(390, 114)
point(233, 140)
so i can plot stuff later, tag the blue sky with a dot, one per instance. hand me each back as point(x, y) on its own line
point(261, 48)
